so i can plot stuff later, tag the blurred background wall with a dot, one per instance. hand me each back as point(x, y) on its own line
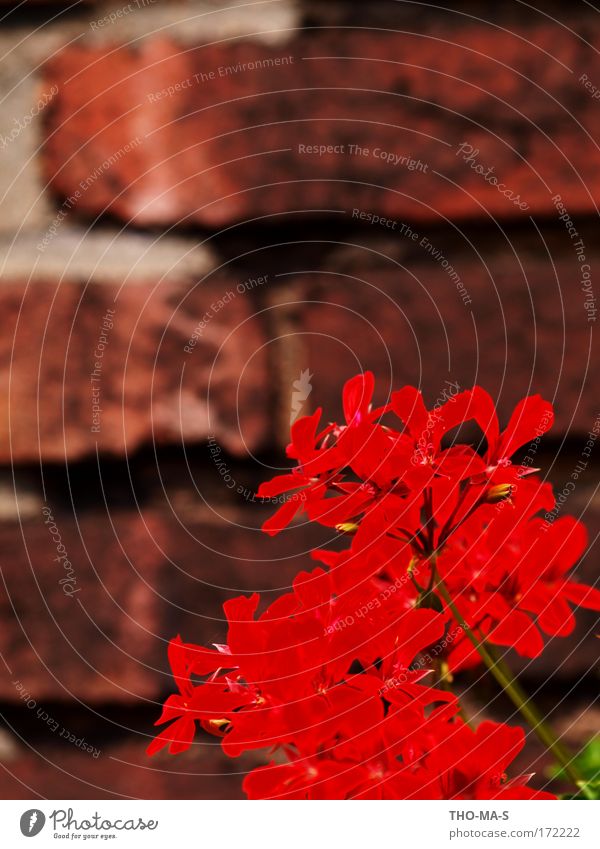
point(212, 214)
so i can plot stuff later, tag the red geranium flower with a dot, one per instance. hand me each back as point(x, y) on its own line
point(345, 678)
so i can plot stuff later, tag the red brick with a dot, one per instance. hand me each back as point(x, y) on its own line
point(124, 771)
point(91, 638)
point(204, 152)
point(151, 388)
point(139, 579)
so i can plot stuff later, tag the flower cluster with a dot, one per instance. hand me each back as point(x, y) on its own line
point(345, 679)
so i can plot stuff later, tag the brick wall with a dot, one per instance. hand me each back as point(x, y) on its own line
point(200, 202)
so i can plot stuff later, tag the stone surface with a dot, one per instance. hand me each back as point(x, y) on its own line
point(220, 134)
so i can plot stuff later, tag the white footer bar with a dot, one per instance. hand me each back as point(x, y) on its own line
point(300, 825)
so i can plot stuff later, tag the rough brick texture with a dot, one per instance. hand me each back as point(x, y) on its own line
point(93, 625)
point(122, 771)
point(224, 146)
point(517, 334)
point(61, 360)
point(424, 311)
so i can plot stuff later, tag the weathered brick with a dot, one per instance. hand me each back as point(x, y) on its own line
point(38, 29)
point(501, 319)
point(136, 579)
point(73, 254)
point(150, 381)
point(124, 771)
point(130, 583)
point(176, 147)
point(89, 637)
point(58, 770)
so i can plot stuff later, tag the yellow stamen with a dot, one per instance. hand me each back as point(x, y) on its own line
point(347, 528)
point(500, 492)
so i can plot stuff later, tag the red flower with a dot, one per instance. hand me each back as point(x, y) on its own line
point(315, 467)
point(508, 575)
point(472, 764)
point(187, 707)
point(346, 676)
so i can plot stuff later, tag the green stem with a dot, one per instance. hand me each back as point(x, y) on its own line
point(514, 691)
